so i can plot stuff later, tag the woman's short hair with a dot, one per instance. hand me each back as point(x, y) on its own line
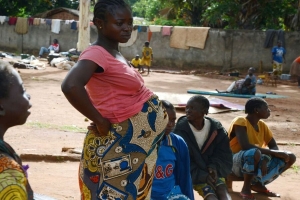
point(253, 103)
point(104, 6)
point(5, 77)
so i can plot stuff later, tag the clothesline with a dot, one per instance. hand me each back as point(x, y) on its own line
point(181, 37)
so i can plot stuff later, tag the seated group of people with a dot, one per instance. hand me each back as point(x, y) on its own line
point(197, 154)
point(247, 150)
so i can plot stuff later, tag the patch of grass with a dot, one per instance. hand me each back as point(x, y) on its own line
point(67, 128)
point(295, 168)
point(291, 144)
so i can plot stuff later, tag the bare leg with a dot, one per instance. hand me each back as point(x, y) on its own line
point(211, 197)
point(222, 192)
point(248, 177)
point(292, 160)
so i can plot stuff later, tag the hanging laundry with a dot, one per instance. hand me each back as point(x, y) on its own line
point(166, 30)
point(178, 38)
point(74, 25)
point(49, 21)
point(270, 34)
point(132, 39)
point(55, 26)
point(155, 28)
point(36, 21)
point(12, 21)
point(21, 25)
point(2, 19)
point(67, 21)
point(142, 28)
point(43, 21)
point(149, 34)
point(281, 37)
point(196, 37)
point(30, 21)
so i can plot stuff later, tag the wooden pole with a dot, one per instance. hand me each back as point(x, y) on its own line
point(84, 25)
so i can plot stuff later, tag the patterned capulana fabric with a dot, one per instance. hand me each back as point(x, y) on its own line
point(13, 177)
point(121, 164)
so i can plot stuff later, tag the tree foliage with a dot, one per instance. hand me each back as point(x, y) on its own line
point(21, 8)
point(250, 14)
point(230, 14)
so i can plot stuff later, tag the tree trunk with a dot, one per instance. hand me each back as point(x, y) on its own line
point(84, 25)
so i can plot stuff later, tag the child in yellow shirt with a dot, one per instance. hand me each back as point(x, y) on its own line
point(136, 62)
point(147, 56)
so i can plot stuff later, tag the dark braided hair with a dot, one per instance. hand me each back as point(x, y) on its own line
point(5, 77)
point(167, 105)
point(253, 103)
point(104, 6)
point(203, 101)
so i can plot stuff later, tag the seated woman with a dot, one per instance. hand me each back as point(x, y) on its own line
point(53, 47)
point(249, 136)
point(14, 110)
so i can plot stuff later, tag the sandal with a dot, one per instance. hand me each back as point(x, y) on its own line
point(268, 193)
point(247, 196)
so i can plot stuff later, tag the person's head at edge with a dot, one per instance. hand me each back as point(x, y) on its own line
point(258, 108)
point(251, 71)
point(196, 108)
point(137, 57)
point(14, 101)
point(279, 43)
point(114, 20)
point(172, 116)
point(55, 41)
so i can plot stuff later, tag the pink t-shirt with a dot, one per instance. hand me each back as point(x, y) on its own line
point(119, 92)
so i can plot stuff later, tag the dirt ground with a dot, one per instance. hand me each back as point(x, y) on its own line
point(54, 124)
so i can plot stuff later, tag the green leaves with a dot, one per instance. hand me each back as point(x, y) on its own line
point(22, 8)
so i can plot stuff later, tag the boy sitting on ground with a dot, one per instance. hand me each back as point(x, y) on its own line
point(210, 154)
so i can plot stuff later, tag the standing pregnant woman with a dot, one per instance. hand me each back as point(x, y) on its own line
point(119, 151)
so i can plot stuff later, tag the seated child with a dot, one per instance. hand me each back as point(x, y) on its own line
point(136, 62)
point(172, 176)
point(14, 110)
point(53, 47)
point(210, 154)
point(256, 156)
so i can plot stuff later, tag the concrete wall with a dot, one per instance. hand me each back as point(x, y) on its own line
point(225, 49)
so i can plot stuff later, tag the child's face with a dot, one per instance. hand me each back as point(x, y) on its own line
point(171, 123)
point(16, 105)
point(118, 26)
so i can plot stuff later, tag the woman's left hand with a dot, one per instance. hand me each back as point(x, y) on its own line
point(103, 127)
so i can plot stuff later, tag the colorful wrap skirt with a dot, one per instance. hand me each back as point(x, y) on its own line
point(120, 165)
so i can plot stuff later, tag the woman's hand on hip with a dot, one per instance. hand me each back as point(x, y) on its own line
point(103, 127)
